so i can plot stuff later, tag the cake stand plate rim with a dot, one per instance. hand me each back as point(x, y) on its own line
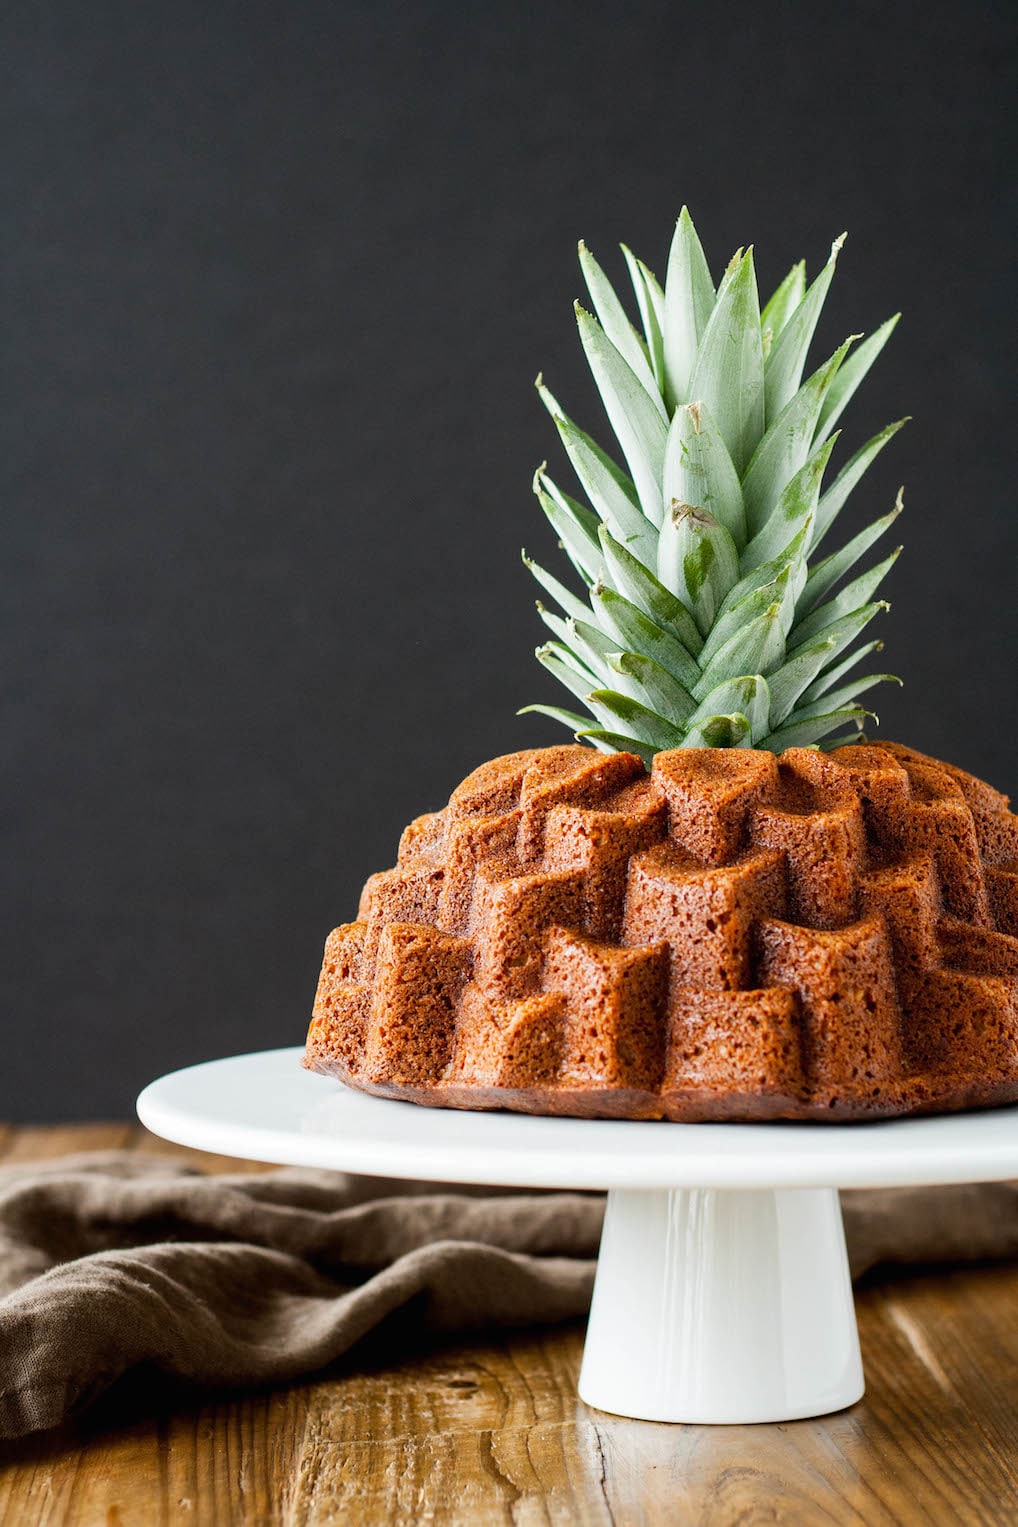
point(264, 1106)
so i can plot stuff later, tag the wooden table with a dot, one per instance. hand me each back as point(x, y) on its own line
point(494, 1433)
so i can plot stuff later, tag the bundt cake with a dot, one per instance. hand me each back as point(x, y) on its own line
point(732, 935)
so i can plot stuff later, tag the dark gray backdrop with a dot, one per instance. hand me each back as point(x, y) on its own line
point(277, 280)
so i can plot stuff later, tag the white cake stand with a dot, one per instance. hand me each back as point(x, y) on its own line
point(722, 1291)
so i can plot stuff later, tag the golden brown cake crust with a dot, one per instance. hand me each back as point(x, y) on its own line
point(737, 936)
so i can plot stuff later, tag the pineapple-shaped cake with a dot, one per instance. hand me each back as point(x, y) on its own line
point(719, 901)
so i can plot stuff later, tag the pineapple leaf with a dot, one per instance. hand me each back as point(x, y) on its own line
point(663, 692)
point(573, 651)
point(616, 325)
point(802, 734)
point(609, 706)
point(555, 623)
point(698, 558)
point(628, 576)
point(575, 648)
point(615, 742)
point(708, 626)
point(651, 302)
point(602, 655)
point(787, 444)
point(689, 300)
point(749, 696)
point(845, 383)
point(732, 731)
point(851, 598)
point(784, 302)
point(640, 425)
point(728, 375)
point(755, 599)
point(791, 559)
point(829, 676)
point(625, 520)
point(842, 633)
point(638, 633)
point(833, 500)
point(556, 660)
point(574, 525)
point(558, 591)
point(827, 573)
point(792, 513)
point(787, 358)
point(567, 717)
point(842, 696)
point(594, 639)
point(698, 469)
point(757, 647)
point(609, 489)
point(794, 676)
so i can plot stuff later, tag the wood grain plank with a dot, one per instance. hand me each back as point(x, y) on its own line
point(224, 1462)
point(34, 1142)
point(473, 1434)
point(227, 1461)
point(496, 1434)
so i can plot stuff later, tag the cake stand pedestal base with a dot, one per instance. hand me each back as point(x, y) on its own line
point(722, 1292)
point(722, 1305)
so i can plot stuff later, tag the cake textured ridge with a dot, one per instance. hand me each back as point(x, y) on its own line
point(733, 935)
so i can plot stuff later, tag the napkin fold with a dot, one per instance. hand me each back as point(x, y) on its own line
point(113, 1259)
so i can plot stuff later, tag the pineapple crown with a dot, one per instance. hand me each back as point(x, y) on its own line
point(708, 621)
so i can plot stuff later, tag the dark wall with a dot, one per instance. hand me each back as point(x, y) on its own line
point(277, 280)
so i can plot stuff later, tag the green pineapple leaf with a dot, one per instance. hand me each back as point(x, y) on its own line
point(574, 525)
point(609, 706)
point(697, 557)
point(748, 696)
point(636, 632)
point(787, 359)
point(833, 500)
point(851, 597)
point(841, 633)
point(614, 742)
point(838, 698)
point(757, 647)
point(560, 662)
point(728, 374)
point(711, 620)
point(689, 302)
point(831, 570)
point(564, 598)
point(732, 731)
point(787, 444)
point(793, 512)
point(784, 302)
point(615, 323)
point(650, 299)
point(804, 733)
point(640, 426)
point(610, 491)
point(776, 591)
point(832, 672)
point(627, 574)
point(854, 371)
point(661, 689)
point(698, 469)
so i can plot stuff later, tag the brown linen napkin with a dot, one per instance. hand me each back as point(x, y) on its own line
point(111, 1260)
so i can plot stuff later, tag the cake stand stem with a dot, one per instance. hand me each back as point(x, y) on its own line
point(716, 1305)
